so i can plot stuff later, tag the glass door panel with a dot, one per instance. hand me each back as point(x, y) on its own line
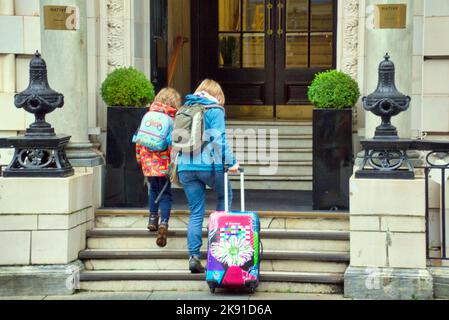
point(297, 15)
point(322, 15)
point(313, 47)
point(241, 47)
point(321, 50)
point(229, 16)
point(254, 15)
point(229, 50)
point(254, 50)
point(296, 50)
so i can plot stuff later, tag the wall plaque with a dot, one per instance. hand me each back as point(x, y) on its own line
point(390, 16)
point(61, 18)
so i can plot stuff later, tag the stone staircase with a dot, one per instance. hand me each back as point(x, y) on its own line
point(294, 149)
point(303, 253)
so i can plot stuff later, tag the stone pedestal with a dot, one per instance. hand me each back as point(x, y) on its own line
point(440, 282)
point(55, 280)
point(388, 283)
point(388, 242)
point(43, 224)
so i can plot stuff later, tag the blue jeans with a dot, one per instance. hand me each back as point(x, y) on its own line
point(165, 203)
point(194, 183)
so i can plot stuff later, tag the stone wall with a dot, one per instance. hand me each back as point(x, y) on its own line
point(19, 25)
point(44, 221)
point(435, 73)
point(388, 240)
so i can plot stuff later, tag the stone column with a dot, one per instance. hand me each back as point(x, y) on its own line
point(388, 243)
point(65, 52)
point(399, 44)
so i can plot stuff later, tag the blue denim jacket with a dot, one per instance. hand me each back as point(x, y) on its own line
point(211, 158)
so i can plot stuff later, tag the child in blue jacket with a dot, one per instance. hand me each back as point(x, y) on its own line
point(206, 168)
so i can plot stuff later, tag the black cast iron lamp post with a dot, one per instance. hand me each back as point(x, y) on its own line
point(40, 152)
point(386, 101)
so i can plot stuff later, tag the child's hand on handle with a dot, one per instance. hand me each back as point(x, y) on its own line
point(234, 169)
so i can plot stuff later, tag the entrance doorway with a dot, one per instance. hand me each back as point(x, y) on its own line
point(265, 53)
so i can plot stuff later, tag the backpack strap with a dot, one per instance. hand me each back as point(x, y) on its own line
point(206, 143)
point(207, 108)
point(214, 106)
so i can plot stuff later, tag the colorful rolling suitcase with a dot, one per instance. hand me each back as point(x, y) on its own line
point(234, 247)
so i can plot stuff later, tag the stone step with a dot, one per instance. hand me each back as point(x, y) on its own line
point(309, 240)
point(264, 234)
point(300, 141)
point(287, 127)
point(128, 218)
point(292, 168)
point(278, 182)
point(162, 259)
point(125, 280)
point(260, 155)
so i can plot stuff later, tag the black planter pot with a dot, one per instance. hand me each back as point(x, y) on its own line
point(124, 185)
point(332, 158)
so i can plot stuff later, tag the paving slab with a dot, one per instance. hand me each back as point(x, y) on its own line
point(31, 298)
point(294, 296)
point(200, 295)
point(104, 296)
point(183, 296)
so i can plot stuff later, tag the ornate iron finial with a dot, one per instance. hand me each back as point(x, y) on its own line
point(386, 101)
point(40, 153)
point(39, 98)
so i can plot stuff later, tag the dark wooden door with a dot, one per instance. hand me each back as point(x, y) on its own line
point(263, 52)
point(231, 46)
point(305, 45)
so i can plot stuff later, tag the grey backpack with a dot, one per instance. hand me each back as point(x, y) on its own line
point(189, 127)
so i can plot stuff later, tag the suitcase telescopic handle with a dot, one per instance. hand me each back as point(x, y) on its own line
point(242, 189)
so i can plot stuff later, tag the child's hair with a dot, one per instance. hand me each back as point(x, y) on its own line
point(169, 96)
point(213, 88)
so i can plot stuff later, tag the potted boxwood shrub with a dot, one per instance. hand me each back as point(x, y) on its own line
point(127, 92)
point(334, 94)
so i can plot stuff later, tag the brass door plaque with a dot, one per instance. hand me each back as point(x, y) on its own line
point(61, 18)
point(390, 16)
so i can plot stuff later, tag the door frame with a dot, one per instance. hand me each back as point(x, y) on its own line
point(159, 43)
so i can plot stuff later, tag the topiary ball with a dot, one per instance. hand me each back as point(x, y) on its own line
point(333, 90)
point(126, 87)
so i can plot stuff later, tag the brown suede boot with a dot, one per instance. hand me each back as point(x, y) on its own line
point(161, 239)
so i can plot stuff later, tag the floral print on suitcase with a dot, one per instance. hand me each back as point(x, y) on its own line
point(233, 250)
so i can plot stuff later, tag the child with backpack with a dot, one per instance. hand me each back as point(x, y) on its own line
point(153, 153)
point(200, 134)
